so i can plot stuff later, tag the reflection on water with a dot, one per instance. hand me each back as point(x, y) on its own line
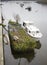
point(29, 56)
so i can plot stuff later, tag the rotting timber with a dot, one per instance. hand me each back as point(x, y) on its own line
point(20, 41)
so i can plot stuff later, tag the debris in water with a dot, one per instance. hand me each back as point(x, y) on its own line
point(6, 38)
point(21, 5)
point(28, 8)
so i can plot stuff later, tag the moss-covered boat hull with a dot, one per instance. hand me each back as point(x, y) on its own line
point(20, 40)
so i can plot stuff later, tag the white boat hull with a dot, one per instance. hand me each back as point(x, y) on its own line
point(35, 35)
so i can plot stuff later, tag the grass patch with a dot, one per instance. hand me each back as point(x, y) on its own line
point(24, 42)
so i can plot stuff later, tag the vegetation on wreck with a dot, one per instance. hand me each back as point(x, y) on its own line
point(29, 56)
point(24, 41)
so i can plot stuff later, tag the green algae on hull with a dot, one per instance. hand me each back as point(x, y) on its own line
point(23, 42)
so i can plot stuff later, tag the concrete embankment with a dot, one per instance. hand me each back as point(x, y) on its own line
point(1, 43)
point(1, 47)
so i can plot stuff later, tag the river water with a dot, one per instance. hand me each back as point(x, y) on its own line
point(38, 15)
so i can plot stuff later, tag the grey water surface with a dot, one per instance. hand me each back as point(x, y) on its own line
point(38, 15)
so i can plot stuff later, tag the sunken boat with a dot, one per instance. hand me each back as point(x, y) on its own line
point(20, 40)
